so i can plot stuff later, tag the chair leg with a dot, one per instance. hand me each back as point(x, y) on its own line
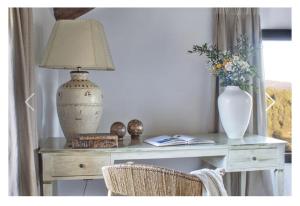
point(109, 193)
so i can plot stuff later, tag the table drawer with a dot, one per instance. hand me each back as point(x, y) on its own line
point(76, 165)
point(252, 158)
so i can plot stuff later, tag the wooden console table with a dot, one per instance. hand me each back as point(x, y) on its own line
point(248, 154)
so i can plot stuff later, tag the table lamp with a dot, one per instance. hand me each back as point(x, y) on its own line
point(78, 45)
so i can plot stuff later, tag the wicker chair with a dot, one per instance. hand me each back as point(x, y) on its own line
point(144, 180)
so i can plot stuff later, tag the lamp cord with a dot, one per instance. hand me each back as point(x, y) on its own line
point(84, 189)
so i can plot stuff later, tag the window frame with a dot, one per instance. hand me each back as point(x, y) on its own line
point(277, 34)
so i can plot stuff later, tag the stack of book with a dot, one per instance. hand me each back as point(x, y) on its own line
point(95, 140)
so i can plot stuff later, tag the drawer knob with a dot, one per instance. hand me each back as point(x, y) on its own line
point(254, 158)
point(82, 165)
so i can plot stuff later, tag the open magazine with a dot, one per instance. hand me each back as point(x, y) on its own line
point(177, 140)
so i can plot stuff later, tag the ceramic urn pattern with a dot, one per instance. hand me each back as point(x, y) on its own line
point(79, 105)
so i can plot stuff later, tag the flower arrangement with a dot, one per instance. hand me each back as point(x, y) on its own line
point(232, 68)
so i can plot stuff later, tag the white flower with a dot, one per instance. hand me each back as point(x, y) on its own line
point(228, 66)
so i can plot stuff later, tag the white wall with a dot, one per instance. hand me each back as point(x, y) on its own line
point(156, 80)
point(276, 18)
point(47, 80)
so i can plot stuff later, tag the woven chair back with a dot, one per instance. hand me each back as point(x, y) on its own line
point(145, 180)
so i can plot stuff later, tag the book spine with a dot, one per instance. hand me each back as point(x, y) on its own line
point(98, 137)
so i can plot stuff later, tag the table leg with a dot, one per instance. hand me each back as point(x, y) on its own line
point(243, 184)
point(278, 182)
point(47, 188)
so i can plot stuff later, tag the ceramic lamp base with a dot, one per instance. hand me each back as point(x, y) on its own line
point(79, 105)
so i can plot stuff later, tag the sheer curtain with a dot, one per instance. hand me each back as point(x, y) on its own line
point(23, 141)
point(230, 23)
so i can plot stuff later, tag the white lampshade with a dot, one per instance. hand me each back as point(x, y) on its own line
point(77, 43)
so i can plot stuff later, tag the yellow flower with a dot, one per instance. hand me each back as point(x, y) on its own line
point(218, 66)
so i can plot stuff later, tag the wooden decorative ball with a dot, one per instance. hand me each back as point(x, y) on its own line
point(119, 129)
point(135, 128)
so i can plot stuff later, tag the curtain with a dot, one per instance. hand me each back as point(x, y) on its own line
point(230, 23)
point(23, 141)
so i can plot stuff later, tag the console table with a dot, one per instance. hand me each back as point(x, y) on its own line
point(60, 162)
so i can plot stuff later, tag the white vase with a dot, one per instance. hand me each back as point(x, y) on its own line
point(235, 107)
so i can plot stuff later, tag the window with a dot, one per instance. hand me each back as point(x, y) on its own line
point(276, 46)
